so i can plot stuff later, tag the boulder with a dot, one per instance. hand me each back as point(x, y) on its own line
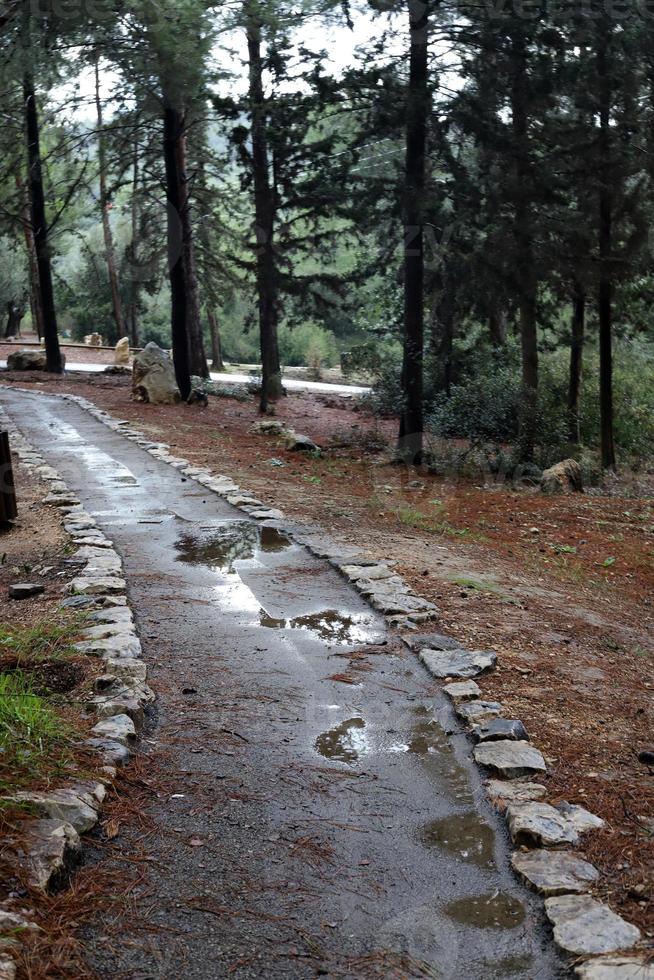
point(563, 477)
point(153, 377)
point(298, 443)
point(33, 359)
point(121, 354)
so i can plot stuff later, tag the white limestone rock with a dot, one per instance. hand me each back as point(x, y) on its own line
point(583, 926)
point(554, 872)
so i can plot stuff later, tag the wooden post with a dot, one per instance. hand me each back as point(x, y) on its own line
point(8, 508)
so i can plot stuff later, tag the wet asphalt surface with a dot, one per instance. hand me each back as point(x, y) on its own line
point(303, 826)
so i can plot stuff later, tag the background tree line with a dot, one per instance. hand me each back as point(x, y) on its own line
point(462, 211)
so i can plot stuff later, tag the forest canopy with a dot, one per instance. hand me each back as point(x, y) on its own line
point(452, 199)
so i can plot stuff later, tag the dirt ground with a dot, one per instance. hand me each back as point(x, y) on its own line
point(34, 549)
point(560, 587)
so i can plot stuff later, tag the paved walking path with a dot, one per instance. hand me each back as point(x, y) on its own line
point(304, 826)
point(227, 378)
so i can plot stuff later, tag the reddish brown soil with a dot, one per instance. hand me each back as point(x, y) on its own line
point(34, 549)
point(560, 587)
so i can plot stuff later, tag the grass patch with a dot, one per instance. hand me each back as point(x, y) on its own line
point(412, 517)
point(46, 641)
point(33, 736)
point(476, 585)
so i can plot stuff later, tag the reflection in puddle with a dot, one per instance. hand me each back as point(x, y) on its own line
point(496, 911)
point(345, 742)
point(236, 541)
point(427, 737)
point(509, 966)
point(464, 835)
point(328, 625)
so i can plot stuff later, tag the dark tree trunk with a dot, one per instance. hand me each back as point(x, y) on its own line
point(197, 357)
point(14, 317)
point(173, 157)
point(525, 270)
point(133, 306)
point(105, 204)
point(40, 228)
point(217, 362)
point(576, 359)
point(497, 326)
point(33, 271)
point(605, 241)
point(446, 313)
point(264, 208)
point(410, 443)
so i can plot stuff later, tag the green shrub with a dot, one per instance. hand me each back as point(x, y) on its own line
point(307, 344)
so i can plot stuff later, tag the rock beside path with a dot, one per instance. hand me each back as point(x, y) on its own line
point(457, 663)
point(616, 968)
point(554, 872)
point(510, 759)
point(25, 590)
point(539, 824)
point(499, 728)
point(583, 926)
point(29, 360)
point(121, 353)
point(502, 792)
point(153, 377)
point(52, 849)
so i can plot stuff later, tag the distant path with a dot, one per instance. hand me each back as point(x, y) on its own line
point(293, 384)
point(302, 826)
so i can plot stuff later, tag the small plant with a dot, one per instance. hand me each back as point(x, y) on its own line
point(33, 737)
point(46, 641)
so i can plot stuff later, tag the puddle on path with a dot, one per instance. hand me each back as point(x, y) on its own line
point(236, 541)
point(328, 625)
point(498, 910)
point(343, 743)
point(463, 835)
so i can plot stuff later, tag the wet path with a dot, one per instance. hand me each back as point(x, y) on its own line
point(305, 826)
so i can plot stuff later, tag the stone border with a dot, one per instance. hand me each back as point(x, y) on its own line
point(51, 844)
point(543, 834)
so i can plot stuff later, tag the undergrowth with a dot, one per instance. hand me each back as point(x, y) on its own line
point(45, 641)
point(34, 738)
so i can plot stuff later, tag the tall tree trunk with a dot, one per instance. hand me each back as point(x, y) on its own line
point(524, 265)
point(105, 203)
point(197, 357)
point(446, 312)
point(134, 285)
point(40, 230)
point(14, 318)
point(217, 362)
point(497, 326)
point(173, 134)
point(576, 358)
point(410, 443)
point(605, 242)
point(264, 210)
point(33, 270)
